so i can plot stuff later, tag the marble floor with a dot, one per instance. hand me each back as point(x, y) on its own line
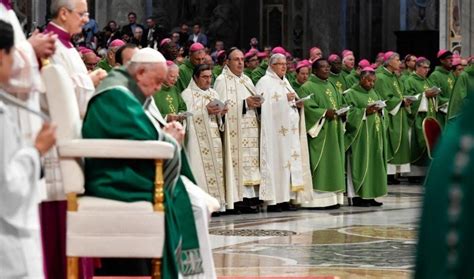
point(349, 242)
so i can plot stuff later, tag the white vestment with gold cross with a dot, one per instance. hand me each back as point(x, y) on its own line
point(284, 156)
point(203, 142)
point(241, 138)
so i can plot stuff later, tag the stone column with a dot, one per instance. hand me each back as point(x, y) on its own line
point(443, 24)
point(467, 27)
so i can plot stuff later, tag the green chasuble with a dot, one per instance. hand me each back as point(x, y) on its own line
point(422, 108)
point(248, 72)
point(116, 112)
point(217, 70)
point(464, 84)
point(291, 77)
point(104, 65)
point(339, 82)
point(405, 75)
point(259, 72)
point(325, 137)
point(446, 242)
point(345, 72)
point(365, 143)
point(185, 75)
point(443, 79)
point(295, 84)
point(169, 101)
point(352, 79)
point(389, 88)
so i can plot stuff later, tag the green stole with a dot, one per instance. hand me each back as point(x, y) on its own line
point(181, 250)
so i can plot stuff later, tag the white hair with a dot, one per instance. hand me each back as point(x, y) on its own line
point(275, 57)
point(134, 67)
point(56, 5)
point(173, 67)
point(385, 63)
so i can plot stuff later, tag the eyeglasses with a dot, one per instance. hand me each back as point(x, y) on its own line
point(280, 64)
point(80, 14)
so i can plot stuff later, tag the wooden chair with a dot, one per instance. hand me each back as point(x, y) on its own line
point(98, 227)
point(432, 132)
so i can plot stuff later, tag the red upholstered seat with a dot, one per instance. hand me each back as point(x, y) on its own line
point(432, 132)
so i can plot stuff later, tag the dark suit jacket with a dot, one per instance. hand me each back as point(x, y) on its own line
point(127, 29)
point(201, 38)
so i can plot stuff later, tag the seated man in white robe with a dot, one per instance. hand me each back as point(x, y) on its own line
point(20, 195)
point(284, 157)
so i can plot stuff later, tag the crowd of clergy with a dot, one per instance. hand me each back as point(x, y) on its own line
point(254, 130)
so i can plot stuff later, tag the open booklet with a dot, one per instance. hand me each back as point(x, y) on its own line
point(378, 104)
point(185, 114)
point(436, 90)
point(217, 102)
point(444, 107)
point(343, 110)
point(304, 99)
point(412, 98)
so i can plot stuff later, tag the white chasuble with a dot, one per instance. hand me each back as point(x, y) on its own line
point(241, 138)
point(204, 145)
point(284, 156)
point(21, 254)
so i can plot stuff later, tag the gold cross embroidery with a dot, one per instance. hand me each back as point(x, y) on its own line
point(208, 167)
point(339, 86)
point(331, 98)
point(234, 149)
point(205, 151)
point(276, 97)
point(283, 131)
point(397, 87)
point(295, 156)
point(450, 81)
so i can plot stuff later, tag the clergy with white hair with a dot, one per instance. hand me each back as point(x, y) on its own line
point(123, 108)
point(68, 18)
point(241, 133)
point(284, 157)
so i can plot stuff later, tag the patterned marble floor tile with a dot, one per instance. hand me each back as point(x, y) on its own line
point(350, 242)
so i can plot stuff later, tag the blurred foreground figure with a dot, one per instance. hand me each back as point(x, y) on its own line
point(446, 244)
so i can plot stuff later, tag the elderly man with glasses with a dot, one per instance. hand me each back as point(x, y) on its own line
point(69, 16)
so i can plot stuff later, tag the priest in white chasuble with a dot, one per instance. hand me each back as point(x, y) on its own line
point(203, 138)
point(284, 159)
point(241, 134)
